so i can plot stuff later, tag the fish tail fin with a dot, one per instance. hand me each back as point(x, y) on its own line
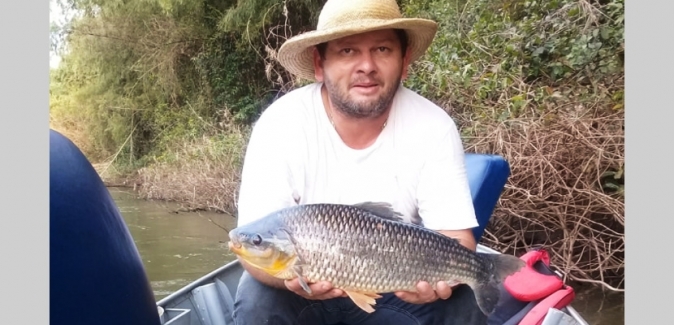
point(487, 295)
point(486, 290)
point(502, 265)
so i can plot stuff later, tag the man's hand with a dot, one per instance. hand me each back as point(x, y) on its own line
point(425, 293)
point(319, 290)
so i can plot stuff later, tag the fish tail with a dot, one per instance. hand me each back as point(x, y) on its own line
point(486, 289)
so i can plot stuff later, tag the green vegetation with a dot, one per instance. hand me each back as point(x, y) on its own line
point(162, 93)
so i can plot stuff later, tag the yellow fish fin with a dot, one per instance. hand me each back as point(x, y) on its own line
point(364, 300)
point(286, 274)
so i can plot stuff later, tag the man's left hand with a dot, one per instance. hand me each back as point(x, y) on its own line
point(425, 293)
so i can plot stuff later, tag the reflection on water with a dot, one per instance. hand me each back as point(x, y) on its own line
point(178, 248)
point(600, 307)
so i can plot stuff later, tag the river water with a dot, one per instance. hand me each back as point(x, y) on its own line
point(178, 248)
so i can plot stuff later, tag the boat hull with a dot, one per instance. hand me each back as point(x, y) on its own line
point(209, 300)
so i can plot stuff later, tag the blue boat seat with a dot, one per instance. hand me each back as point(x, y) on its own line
point(487, 175)
point(96, 274)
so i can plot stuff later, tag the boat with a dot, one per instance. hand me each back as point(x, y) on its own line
point(209, 300)
point(97, 275)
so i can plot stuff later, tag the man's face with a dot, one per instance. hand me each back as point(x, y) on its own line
point(362, 72)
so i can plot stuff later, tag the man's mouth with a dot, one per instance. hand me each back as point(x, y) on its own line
point(365, 88)
point(365, 85)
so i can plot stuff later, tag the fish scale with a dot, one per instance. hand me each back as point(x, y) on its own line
point(367, 249)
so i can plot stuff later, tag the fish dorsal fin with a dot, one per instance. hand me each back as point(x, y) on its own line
point(381, 209)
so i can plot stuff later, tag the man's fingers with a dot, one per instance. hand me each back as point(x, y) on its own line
point(444, 291)
point(405, 296)
point(426, 292)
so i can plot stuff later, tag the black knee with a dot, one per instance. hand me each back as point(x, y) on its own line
point(461, 308)
point(257, 303)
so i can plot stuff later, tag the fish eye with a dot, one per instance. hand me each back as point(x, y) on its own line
point(257, 240)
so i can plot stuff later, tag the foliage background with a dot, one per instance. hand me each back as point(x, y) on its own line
point(161, 94)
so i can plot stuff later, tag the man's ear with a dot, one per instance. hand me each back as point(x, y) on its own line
point(318, 65)
point(406, 62)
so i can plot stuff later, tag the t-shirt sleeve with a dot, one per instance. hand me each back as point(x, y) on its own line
point(443, 194)
point(266, 182)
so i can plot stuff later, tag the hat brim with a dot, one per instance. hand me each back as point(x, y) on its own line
point(296, 56)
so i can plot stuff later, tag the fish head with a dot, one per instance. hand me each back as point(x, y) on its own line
point(266, 246)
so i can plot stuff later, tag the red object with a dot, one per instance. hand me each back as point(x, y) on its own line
point(528, 284)
point(558, 300)
point(531, 285)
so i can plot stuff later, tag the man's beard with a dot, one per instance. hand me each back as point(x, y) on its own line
point(355, 109)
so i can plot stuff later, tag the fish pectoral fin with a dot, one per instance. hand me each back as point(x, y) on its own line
point(364, 300)
point(285, 274)
point(298, 272)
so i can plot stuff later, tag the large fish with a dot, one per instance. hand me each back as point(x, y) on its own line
point(365, 249)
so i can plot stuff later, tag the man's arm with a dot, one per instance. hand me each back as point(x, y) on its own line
point(267, 186)
point(445, 205)
point(444, 198)
point(266, 183)
point(465, 237)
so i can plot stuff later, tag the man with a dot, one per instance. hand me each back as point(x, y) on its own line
point(357, 135)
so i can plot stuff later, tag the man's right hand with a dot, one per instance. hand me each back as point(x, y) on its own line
point(319, 290)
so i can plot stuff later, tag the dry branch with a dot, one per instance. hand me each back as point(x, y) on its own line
point(554, 197)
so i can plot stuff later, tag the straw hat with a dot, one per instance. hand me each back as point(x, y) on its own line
point(340, 18)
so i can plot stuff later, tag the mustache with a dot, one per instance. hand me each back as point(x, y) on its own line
point(365, 80)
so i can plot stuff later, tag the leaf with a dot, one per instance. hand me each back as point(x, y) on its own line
point(612, 186)
point(539, 51)
point(619, 174)
point(605, 33)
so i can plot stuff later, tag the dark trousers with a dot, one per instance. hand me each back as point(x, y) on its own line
point(258, 304)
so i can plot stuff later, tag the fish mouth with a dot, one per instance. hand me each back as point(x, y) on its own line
point(234, 246)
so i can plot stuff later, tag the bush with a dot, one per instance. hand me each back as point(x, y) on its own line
point(540, 83)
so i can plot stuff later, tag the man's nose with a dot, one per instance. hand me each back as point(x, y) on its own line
point(366, 63)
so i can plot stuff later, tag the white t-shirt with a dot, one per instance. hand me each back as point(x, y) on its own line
point(295, 156)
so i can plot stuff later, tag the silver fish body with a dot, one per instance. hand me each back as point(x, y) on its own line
point(365, 248)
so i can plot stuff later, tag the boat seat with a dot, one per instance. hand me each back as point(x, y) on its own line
point(96, 274)
point(487, 175)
